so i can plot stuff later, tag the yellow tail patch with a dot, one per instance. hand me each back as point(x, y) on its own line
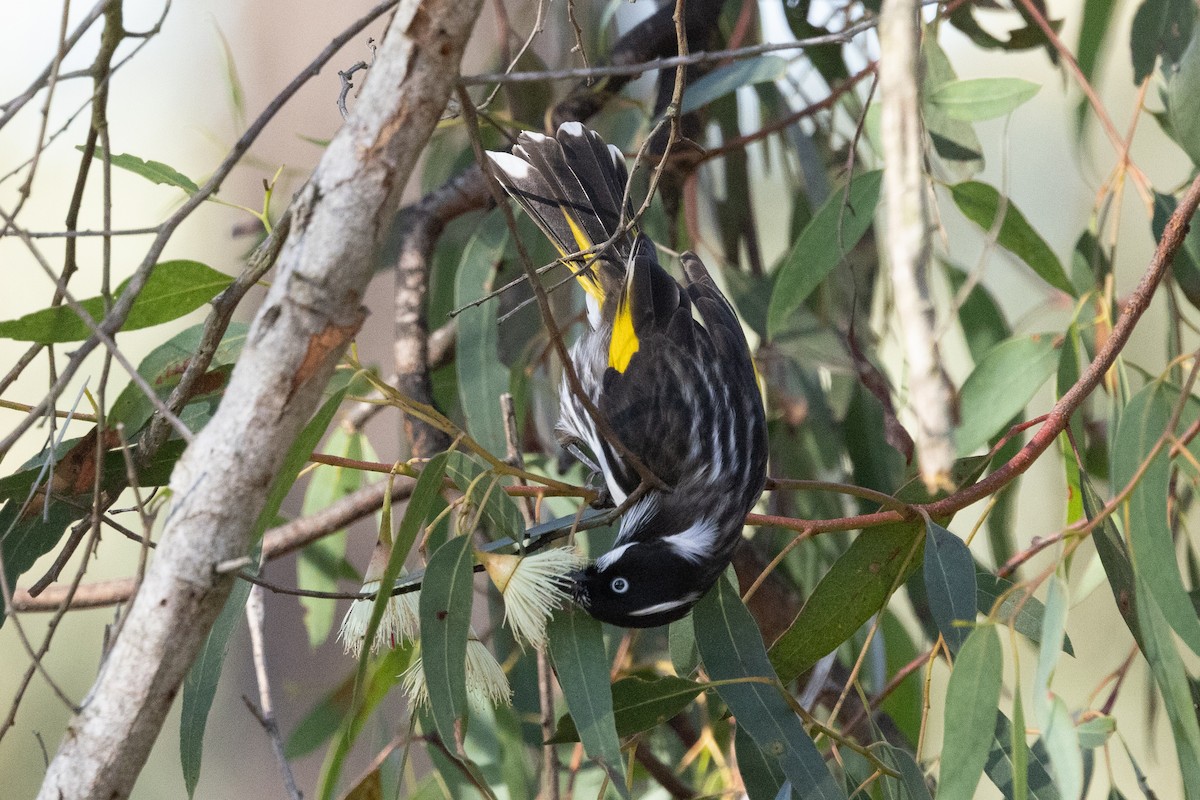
point(624, 342)
point(587, 278)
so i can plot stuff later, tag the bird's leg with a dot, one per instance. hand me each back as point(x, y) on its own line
point(595, 480)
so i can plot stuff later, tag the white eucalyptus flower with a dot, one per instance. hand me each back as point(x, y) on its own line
point(532, 587)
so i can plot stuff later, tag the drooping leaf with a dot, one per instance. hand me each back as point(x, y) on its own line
point(173, 289)
point(762, 775)
point(1024, 612)
point(950, 582)
point(980, 203)
point(911, 784)
point(984, 326)
point(972, 698)
point(1142, 424)
point(1096, 731)
point(822, 245)
point(1160, 28)
point(855, 587)
point(731, 647)
point(1114, 557)
point(999, 767)
point(1183, 100)
point(577, 648)
point(1185, 267)
point(681, 639)
point(904, 704)
point(860, 581)
point(1062, 745)
point(348, 713)
point(954, 141)
point(1020, 749)
point(153, 171)
point(1000, 387)
point(1054, 623)
point(1172, 680)
point(1093, 30)
point(445, 608)
point(482, 377)
point(725, 79)
point(639, 705)
point(200, 686)
point(982, 98)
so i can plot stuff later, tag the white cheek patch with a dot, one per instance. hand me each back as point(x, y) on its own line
point(696, 542)
point(605, 561)
point(670, 605)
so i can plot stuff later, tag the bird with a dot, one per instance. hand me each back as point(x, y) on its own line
point(667, 367)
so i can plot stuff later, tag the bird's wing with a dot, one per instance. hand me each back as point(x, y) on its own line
point(658, 396)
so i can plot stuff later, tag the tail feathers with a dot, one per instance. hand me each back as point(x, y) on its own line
point(572, 186)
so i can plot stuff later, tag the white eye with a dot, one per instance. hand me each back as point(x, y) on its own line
point(619, 585)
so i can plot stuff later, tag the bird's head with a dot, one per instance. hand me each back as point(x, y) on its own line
point(641, 585)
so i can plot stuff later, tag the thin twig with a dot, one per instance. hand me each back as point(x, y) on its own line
point(685, 60)
point(265, 713)
point(347, 85)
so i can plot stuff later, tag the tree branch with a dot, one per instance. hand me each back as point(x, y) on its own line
point(931, 396)
point(309, 316)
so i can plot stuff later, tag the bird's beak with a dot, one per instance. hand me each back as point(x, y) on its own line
point(578, 588)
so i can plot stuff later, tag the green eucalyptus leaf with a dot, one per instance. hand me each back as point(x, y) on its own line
point(445, 609)
point(582, 666)
point(1160, 28)
point(950, 582)
point(911, 784)
point(1142, 424)
point(822, 245)
point(954, 141)
point(165, 365)
point(174, 288)
point(731, 648)
point(639, 705)
point(731, 77)
point(482, 377)
point(1024, 612)
point(1096, 731)
point(1062, 745)
point(972, 701)
point(1001, 762)
point(980, 203)
point(1169, 673)
point(978, 99)
point(321, 563)
point(200, 685)
point(1182, 97)
point(153, 171)
point(855, 587)
point(1000, 387)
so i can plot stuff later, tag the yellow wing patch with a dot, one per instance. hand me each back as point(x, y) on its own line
point(624, 342)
